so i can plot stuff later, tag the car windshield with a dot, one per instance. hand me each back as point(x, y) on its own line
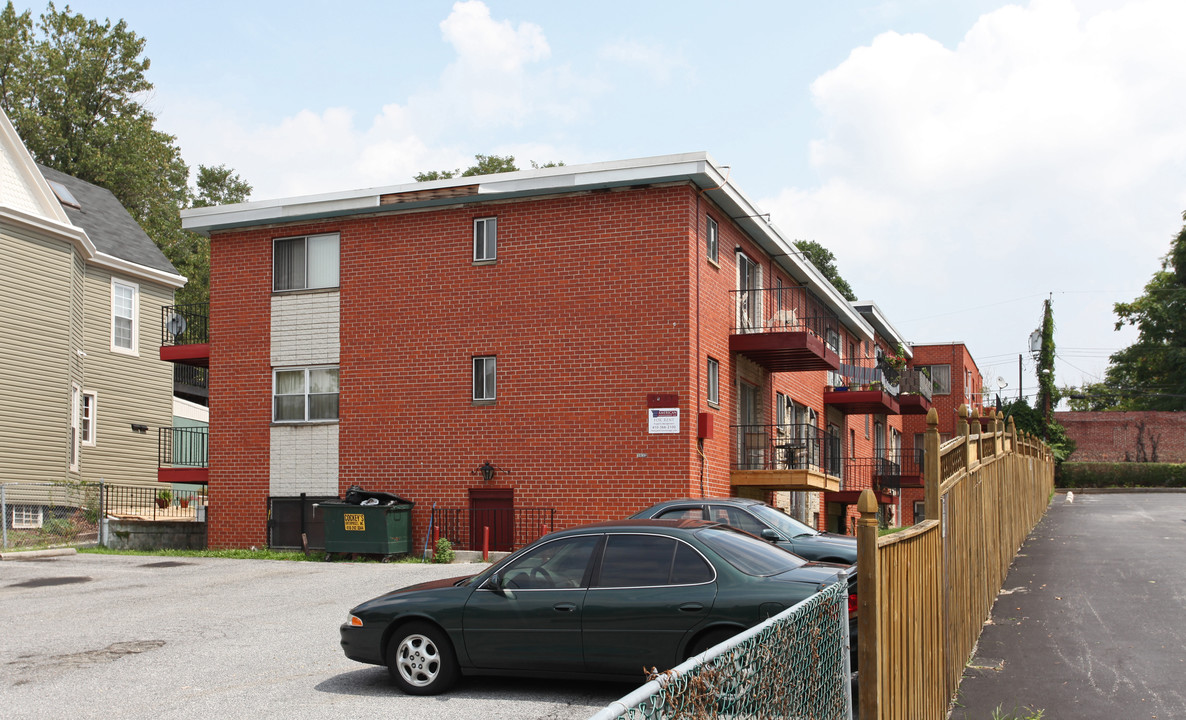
point(747, 553)
point(782, 522)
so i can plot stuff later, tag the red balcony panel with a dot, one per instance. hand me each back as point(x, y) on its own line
point(914, 404)
point(850, 497)
point(200, 476)
point(197, 355)
point(861, 402)
point(795, 351)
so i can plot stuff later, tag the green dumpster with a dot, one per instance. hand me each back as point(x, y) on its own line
point(367, 529)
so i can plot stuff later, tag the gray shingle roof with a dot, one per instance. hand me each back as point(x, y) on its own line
point(110, 227)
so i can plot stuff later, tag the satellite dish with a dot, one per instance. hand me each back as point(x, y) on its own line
point(176, 324)
point(1002, 383)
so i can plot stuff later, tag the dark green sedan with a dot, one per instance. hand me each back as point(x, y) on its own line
point(600, 601)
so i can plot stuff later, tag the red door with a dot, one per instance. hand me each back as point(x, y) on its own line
point(492, 508)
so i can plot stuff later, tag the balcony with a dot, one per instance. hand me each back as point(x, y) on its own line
point(912, 467)
point(882, 475)
point(785, 457)
point(185, 334)
point(191, 383)
point(183, 455)
point(916, 389)
point(864, 390)
point(786, 329)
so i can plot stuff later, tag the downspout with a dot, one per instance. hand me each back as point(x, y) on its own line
point(699, 363)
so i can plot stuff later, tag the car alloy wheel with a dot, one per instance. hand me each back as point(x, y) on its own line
point(421, 660)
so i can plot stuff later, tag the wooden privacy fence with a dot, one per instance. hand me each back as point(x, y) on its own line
point(926, 591)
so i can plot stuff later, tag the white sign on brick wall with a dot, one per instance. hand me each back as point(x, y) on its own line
point(663, 421)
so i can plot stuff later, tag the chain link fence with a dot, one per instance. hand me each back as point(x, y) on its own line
point(50, 514)
point(794, 665)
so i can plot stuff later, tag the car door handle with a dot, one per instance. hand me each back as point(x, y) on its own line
point(691, 607)
point(564, 607)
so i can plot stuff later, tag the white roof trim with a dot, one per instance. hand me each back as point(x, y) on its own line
point(41, 225)
point(42, 192)
point(143, 272)
point(882, 324)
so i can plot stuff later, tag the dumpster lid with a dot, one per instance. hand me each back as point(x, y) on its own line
point(355, 495)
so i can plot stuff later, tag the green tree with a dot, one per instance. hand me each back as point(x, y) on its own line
point(1047, 391)
point(1092, 397)
point(1031, 420)
point(190, 252)
point(73, 88)
point(824, 261)
point(1150, 374)
point(483, 165)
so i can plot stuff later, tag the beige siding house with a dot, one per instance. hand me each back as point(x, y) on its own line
point(81, 290)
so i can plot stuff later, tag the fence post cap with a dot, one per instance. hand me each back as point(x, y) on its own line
point(933, 418)
point(867, 503)
point(962, 411)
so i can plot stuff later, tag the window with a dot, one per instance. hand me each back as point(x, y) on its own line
point(714, 382)
point(305, 394)
point(555, 565)
point(87, 427)
point(485, 378)
point(920, 511)
point(940, 378)
point(650, 560)
point(305, 263)
point(712, 240)
point(124, 316)
point(73, 450)
point(26, 517)
point(485, 239)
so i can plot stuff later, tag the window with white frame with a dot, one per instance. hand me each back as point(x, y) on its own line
point(125, 315)
point(712, 240)
point(714, 382)
point(308, 394)
point(485, 239)
point(485, 378)
point(86, 427)
point(305, 263)
point(940, 378)
point(26, 517)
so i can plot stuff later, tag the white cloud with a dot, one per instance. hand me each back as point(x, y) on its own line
point(1045, 151)
point(656, 60)
point(498, 78)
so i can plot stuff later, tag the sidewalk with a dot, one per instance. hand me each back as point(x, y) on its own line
point(1091, 622)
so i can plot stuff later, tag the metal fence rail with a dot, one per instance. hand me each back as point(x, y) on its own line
point(794, 665)
point(149, 503)
point(43, 515)
point(509, 528)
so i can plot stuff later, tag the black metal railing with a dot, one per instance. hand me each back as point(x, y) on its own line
point(866, 375)
point(877, 473)
point(183, 447)
point(185, 324)
point(785, 309)
point(191, 382)
point(910, 460)
point(916, 382)
point(787, 447)
point(509, 528)
point(150, 503)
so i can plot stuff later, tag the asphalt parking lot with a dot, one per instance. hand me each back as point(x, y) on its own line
point(1091, 623)
point(101, 636)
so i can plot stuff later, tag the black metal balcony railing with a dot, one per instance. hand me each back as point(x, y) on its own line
point(787, 447)
point(185, 324)
point(878, 473)
point(183, 447)
point(785, 309)
point(154, 503)
point(915, 381)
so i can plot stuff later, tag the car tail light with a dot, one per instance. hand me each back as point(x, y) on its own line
point(852, 603)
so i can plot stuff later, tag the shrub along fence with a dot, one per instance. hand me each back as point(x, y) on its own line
point(925, 592)
point(50, 514)
point(1122, 475)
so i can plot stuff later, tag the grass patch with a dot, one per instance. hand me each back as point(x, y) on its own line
point(1026, 713)
point(891, 530)
point(243, 554)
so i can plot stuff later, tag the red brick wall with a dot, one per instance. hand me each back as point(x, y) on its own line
point(1126, 436)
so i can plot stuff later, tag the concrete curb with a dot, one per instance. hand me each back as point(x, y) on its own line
point(475, 556)
point(1111, 490)
point(38, 554)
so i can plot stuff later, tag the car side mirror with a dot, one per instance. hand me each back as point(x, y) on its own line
point(770, 535)
point(494, 583)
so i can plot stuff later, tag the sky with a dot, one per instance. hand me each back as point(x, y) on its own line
point(964, 160)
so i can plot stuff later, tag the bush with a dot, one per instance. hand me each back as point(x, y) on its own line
point(444, 551)
point(1121, 475)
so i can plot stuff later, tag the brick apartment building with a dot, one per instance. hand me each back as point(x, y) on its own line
point(587, 339)
point(955, 380)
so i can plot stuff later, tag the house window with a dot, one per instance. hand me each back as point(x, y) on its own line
point(26, 517)
point(485, 378)
point(714, 382)
point(712, 240)
point(124, 316)
point(305, 263)
point(940, 378)
point(87, 419)
point(485, 239)
point(305, 394)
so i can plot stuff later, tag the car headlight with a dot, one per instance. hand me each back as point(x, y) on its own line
point(353, 620)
